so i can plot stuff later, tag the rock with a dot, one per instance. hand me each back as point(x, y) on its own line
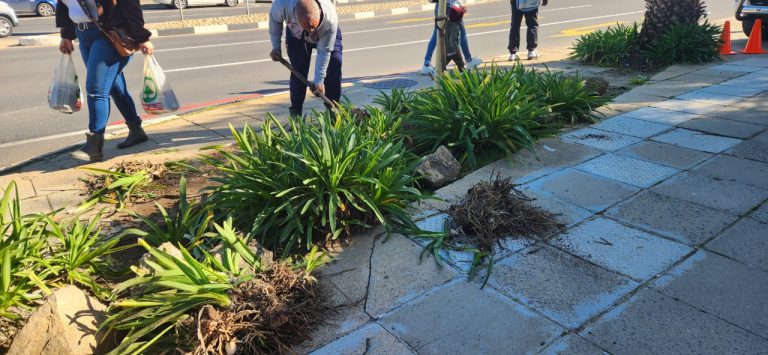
point(143, 269)
point(597, 84)
point(440, 167)
point(66, 323)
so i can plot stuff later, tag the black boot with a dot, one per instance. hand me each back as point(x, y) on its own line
point(295, 112)
point(92, 150)
point(136, 135)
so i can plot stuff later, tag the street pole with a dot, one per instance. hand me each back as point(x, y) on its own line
point(440, 22)
point(247, 8)
point(181, 9)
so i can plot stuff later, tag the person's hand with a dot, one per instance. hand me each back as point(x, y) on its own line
point(66, 46)
point(544, 2)
point(276, 54)
point(319, 89)
point(147, 48)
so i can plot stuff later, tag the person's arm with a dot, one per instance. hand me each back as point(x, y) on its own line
point(324, 49)
point(63, 22)
point(134, 20)
point(276, 19)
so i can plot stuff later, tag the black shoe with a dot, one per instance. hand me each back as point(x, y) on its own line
point(296, 112)
point(92, 150)
point(136, 135)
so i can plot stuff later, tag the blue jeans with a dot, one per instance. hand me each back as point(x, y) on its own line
point(433, 43)
point(104, 78)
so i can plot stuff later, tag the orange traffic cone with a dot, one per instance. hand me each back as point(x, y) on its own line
point(755, 42)
point(725, 47)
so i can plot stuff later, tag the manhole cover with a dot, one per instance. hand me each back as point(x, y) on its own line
point(390, 84)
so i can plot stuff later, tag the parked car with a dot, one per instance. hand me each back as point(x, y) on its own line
point(38, 7)
point(747, 11)
point(187, 3)
point(8, 20)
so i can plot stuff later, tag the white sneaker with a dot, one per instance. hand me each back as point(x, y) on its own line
point(427, 70)
point(533, 54)
point(474, 62)
point(513, 57)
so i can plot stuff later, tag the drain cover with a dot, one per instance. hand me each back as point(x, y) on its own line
point(390, 84)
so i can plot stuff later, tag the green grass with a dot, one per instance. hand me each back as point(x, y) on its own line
point(610, 47)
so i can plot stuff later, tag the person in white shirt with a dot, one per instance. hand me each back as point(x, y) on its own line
point(310, 24)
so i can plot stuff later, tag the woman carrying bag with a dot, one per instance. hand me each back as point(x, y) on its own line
point(104, 64)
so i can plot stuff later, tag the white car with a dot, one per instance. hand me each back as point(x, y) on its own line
point(186, 3)
point(8, 20)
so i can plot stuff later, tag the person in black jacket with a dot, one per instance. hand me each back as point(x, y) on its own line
point(104, 66)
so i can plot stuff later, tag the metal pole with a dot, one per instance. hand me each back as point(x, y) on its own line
point(440, 22)
point(247, 8)
point(181, 9)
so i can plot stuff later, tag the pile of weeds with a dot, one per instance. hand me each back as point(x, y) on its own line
point(121, 184)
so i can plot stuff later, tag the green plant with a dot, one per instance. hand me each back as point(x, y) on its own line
point(610, 48)
point(396, 103)
point(569, 98)
point(639, 80)
point(476, 112)
point(686, 43)
point(661, 15)
point(116, 187)
point(322, 179)
point(189, 226)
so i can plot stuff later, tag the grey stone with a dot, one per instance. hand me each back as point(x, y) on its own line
point(439, 168)
point(66, 323)
point(624, 124)
point(622, 249)
point(370, 339)
point(627, 170)
point(729, 196)
point(462, 319)
point(747, 241)
point(581, 189)
point(723, 127)
point(398, 274)
point(599, 139)
point(665, 154)
point(683, 221)
point(722, 287)
point(652, 323)
point(711, 98)
point(750, 149)
point(573, 345)
point(668, 117)
point(696, 140)
point(566, 213)
point(761, 214)
point(564, 288)
point(697, 107)
point(728, 168)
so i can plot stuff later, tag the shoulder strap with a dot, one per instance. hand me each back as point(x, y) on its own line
point(95, 20)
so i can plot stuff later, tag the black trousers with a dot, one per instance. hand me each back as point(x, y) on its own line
point(531, 21)
point(300, 55)
point(457, 59)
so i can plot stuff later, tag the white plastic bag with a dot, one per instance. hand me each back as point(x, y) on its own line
point(528, 5)
point(156, 94)
point(64, 94)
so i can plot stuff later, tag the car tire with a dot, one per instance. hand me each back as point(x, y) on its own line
point(231, 3)
point(6, 27)
point(180, 4)
point(747, 25)
point(45, 9)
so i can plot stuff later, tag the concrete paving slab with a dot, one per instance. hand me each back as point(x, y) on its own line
point(742, 114)
point(733, 90)
point(652, 323)
point(658, 115)
point(350, 268)
point(663, 89)
point(599, 139)
point(696, 140)
point(746, 241)
point(24, 186)
point(636, 99)
point(728, 168)
point(722, 127)
point(345, 317)
point(719, 71)
point(697, 107)
point(665, 154)
point(462, 319)
point(179, 134)
point(566, 213)
point(734, 197)
point(722, 287)
point(761, 214)
point(573, 345)
point(434, 223)
point(622, 249)
point(663, 215)
point(581, 189)
point(37, 204)
point(707, 97)
point(564, 288)
point(398, 275)
point(738, 68)
point(762, 137)
point(65, 200)
point(750, 149)
point(626, 125)
point(627, 170)
point(370, 339)
point(752, 62)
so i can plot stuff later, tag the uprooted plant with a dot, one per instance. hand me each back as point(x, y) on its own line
point(122, 183)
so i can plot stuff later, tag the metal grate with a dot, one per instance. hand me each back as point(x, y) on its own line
point(390, 84)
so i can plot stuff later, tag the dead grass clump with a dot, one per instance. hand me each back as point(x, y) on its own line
point(269, 314)
point(494, 210)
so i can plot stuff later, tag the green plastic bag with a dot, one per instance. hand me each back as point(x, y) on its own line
point(157, 96)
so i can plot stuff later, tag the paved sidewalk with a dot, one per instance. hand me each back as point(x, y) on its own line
point(666, 250)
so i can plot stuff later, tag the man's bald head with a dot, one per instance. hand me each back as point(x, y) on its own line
point(308, 14)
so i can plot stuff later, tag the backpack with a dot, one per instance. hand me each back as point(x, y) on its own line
point(452, 37)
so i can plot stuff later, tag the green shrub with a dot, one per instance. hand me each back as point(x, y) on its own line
point(315, 182)
point(686, 43)
point(476, 112)
point(569, 98)
point(609, 48)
